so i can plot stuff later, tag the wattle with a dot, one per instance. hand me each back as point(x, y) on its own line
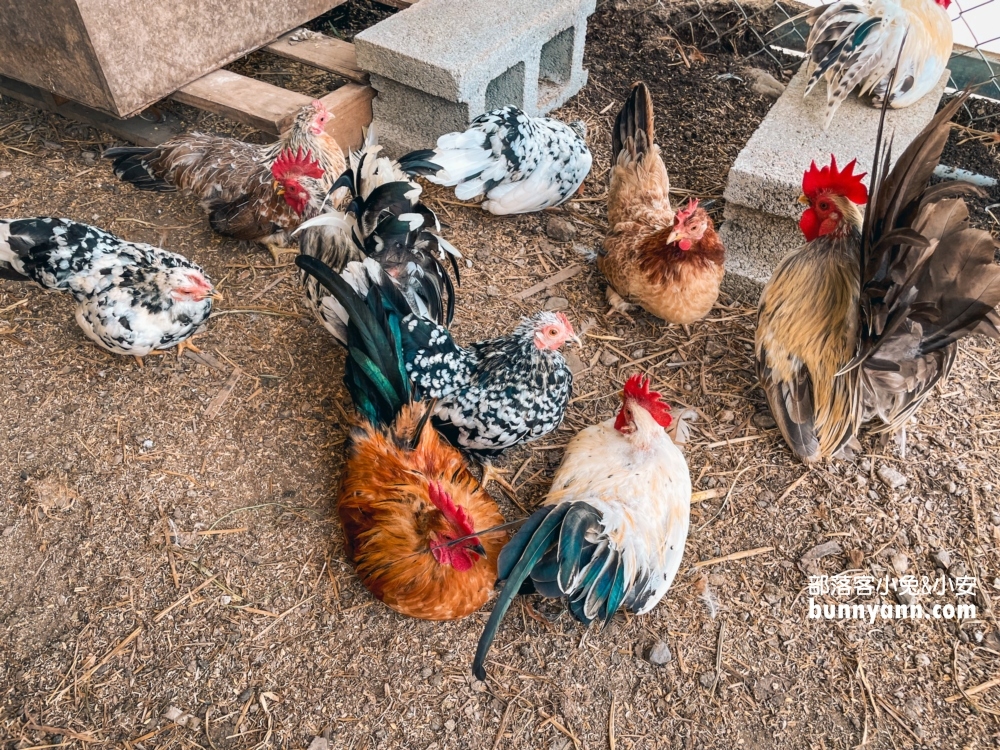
point(809, 224)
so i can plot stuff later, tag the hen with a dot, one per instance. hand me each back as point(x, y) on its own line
point(611, 532)
point(408, 504)
point(856, 43)
point(669, 264)
point(490, 396)
point(387, 222)
point(521, 163)
point(232, 178)
point(859, 323)
point(131, 298)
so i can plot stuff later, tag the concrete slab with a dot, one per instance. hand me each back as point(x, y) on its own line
point(762, 208)
point(767, 174)
point(439, 64)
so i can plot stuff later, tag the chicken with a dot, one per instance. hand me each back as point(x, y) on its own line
point(856, 44)
point(611, 532)
point(387, 222)
point(669, 264)
point(131, 298)
point(521, 163)
point(231, 178)
point(490, 396)
point(859, 323)
point(408, 504)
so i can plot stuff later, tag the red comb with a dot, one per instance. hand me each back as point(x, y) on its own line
point(637, 389)
point(455, 514)
point(832, 180)
point(685, 213)
point(291, 164)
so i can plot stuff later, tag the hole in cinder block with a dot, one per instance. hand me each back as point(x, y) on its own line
point(555, 67)
point(507, 89)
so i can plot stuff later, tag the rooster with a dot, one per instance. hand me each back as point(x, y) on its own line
point(232, 178)
point(489, 397)
point(670, 264)
point(387, 222)
point(521, 163)
point(408, 504)
point(856, 43)
point(858, 324)
point(611, 532)
point(131, 298)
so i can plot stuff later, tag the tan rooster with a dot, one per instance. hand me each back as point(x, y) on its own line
point(860, 322)
point(670, 264)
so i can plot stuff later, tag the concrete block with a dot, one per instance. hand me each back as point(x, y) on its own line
point(762, 208)
point(439, 64)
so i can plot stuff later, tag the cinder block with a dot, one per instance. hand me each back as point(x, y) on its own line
point(440, 64)
point(762, 208)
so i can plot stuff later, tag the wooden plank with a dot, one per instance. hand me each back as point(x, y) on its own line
point(142, 131)
point(247, 100)
point(324, 52)
point(351, 106)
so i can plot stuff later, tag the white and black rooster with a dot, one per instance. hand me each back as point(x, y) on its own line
point(131, 298)
point(386, 222)
point(522, 164)
point(611, 533)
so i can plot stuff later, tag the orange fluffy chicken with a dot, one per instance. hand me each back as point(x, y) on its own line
point(860, 322)
point(670, 264)
point(409, 506)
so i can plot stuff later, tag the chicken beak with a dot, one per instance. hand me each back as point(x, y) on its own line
point(278, 187)
point(478, 548)
point(672, 238)
point(215, 295)
point(803, 199)
point(576, 340)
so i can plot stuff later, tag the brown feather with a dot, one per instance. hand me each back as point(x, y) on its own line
point(389, 520)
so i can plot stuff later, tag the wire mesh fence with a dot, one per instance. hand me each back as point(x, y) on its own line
point(774, 29)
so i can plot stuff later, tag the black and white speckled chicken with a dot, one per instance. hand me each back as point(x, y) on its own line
point(521, 163)
point(492, 395)
point(386, 222)
point(131, 298)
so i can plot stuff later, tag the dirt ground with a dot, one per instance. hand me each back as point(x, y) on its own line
point(173, 574)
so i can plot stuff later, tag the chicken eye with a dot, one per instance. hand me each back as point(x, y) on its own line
point(824, 206)
point(553, 332)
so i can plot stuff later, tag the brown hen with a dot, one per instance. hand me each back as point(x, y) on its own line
point(670, 264)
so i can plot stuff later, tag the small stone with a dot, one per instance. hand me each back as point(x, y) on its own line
point(941, 558)
point(478, 686)
point(4, 174)
point(319, 743)
point(225, 600)
point(468, 263)
point(492, 290)
point(52, 145)
point(560, 230)
point(707, 679)
point(958, 570)
point(88, 156)
point(147, 444)
point(763, 421)
point(714, 349)
point(637, 354)
point(556, 303)
point(726, 416)
point(660, 654)
point(426, 672)
point(608, 359)
point(900, 563)
point(951, 488)
point(450, 725)
point(923, 660)
point(890, 477)
point(865, 465)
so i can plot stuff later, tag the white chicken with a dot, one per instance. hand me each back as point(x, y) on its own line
point(521, 163)
point(857, 43)
point(611, 532)
point(131, 298)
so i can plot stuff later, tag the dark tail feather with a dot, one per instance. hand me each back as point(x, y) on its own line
point(131, 164)
point(419, 162)
point(634, 125)
point(544, 534)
